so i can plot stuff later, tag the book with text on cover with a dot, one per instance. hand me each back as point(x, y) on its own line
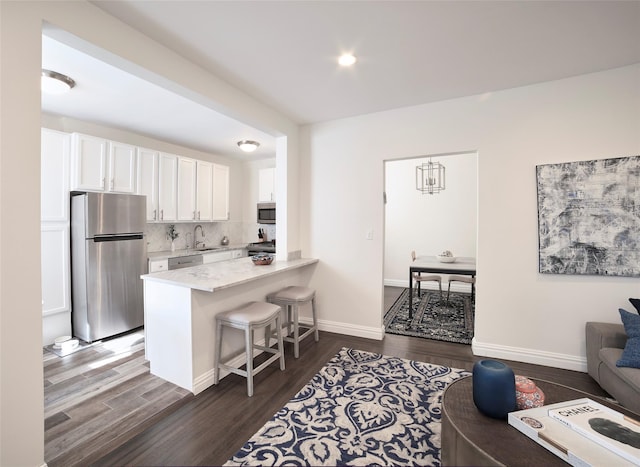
point(568, 445)
point(602, 425)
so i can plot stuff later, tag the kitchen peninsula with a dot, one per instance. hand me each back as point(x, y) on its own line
point(180, 308)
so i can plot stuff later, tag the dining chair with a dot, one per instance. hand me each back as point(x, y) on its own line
point(419, 277)
point(466, 280)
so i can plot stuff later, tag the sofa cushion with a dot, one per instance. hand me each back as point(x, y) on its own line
point(636, 303)
point(631, 353)
point(609, 358)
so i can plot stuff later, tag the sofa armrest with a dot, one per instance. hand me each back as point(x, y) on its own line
point(600, 336)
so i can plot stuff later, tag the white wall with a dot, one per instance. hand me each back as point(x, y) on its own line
point(21, 424)
point(520, 314)
point(428, 224)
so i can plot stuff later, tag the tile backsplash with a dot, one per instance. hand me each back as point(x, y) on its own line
point(237, 232)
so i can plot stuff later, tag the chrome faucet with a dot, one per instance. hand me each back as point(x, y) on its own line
point(197, 242)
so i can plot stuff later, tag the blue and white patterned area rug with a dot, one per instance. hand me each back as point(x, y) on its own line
point(433, 317)
point(361, 408)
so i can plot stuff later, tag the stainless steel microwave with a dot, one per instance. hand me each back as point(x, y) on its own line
point(266, 213)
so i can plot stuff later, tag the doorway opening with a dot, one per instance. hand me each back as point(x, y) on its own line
point(428, 222)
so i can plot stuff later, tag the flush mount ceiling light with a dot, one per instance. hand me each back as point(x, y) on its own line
point(56, 83)
point(347, 59)
point(430, 177)
point(248, 146)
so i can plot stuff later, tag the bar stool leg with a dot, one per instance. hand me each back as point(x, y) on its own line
point(248, 334)
point(216, 363)
point(280, 342)
point(296, 332)
point(267, 336)
point(315, 318)
point(289, 318)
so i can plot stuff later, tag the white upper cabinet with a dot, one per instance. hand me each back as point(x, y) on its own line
point(122, 168)
point(147, 181)
point(54, 186)
point(220, 192)
point(267, 185)
point(204, 191)
point(89, 163)
point(167, 187)
point(101, 165)
point(186, 189)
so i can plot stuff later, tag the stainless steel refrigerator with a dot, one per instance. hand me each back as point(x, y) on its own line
point(108, 256)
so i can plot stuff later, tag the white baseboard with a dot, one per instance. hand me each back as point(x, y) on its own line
point(348, 329)
point(205, 380)
point(536, 357)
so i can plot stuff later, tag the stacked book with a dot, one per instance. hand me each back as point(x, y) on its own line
point(582, 432)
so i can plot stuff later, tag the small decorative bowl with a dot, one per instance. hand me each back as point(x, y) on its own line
point(446, 259)
point(262, 260)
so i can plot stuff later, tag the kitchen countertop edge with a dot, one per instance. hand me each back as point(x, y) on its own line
point(224, 274)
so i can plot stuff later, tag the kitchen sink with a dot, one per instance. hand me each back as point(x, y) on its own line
point(208, 249)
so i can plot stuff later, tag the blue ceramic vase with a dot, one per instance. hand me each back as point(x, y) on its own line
point(494, 388)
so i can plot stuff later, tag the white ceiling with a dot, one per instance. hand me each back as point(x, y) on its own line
point(284, 54)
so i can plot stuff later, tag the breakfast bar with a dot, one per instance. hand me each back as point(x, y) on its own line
point(180, 308)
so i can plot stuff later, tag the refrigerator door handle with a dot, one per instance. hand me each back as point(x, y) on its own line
point(117, 237)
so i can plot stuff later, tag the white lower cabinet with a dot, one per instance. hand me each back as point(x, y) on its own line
point(157, 265)
point(56, 288)
point(54, 235)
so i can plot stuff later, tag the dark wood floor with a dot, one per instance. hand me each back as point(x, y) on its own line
point(210, 428)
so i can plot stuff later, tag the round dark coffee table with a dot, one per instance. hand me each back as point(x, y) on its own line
point(471, 438)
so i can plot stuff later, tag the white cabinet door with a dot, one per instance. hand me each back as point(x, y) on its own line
point(157, 265)
point(220, 192)
point(101, 165)
point(204, 191)
point(54, 176)
point(89, 163)
point(54, 240)
point(167, 187)
point(267, 185)
point(186, 189)
point(122, 168)
point(147, 181)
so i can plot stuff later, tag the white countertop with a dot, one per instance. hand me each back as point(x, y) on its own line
point(216, 276)
point(191, 251)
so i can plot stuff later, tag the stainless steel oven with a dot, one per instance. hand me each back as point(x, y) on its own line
point(266, 213)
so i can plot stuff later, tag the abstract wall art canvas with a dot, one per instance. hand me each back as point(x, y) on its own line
point(589, 217)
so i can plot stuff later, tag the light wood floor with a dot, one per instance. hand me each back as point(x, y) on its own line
point(100, 397)
point(209, 428)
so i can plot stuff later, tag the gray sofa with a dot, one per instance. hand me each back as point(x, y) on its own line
point(605, 342)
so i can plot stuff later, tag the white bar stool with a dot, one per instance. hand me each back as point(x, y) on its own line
point(290, 298)
point(249, 317)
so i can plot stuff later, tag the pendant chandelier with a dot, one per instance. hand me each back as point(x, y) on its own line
point(430, 177)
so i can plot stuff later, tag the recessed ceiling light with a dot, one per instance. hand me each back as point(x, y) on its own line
point(347, 60)
point(56, 83)
point(248, 146)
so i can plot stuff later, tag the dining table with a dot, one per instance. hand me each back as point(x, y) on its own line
point(463, 265)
